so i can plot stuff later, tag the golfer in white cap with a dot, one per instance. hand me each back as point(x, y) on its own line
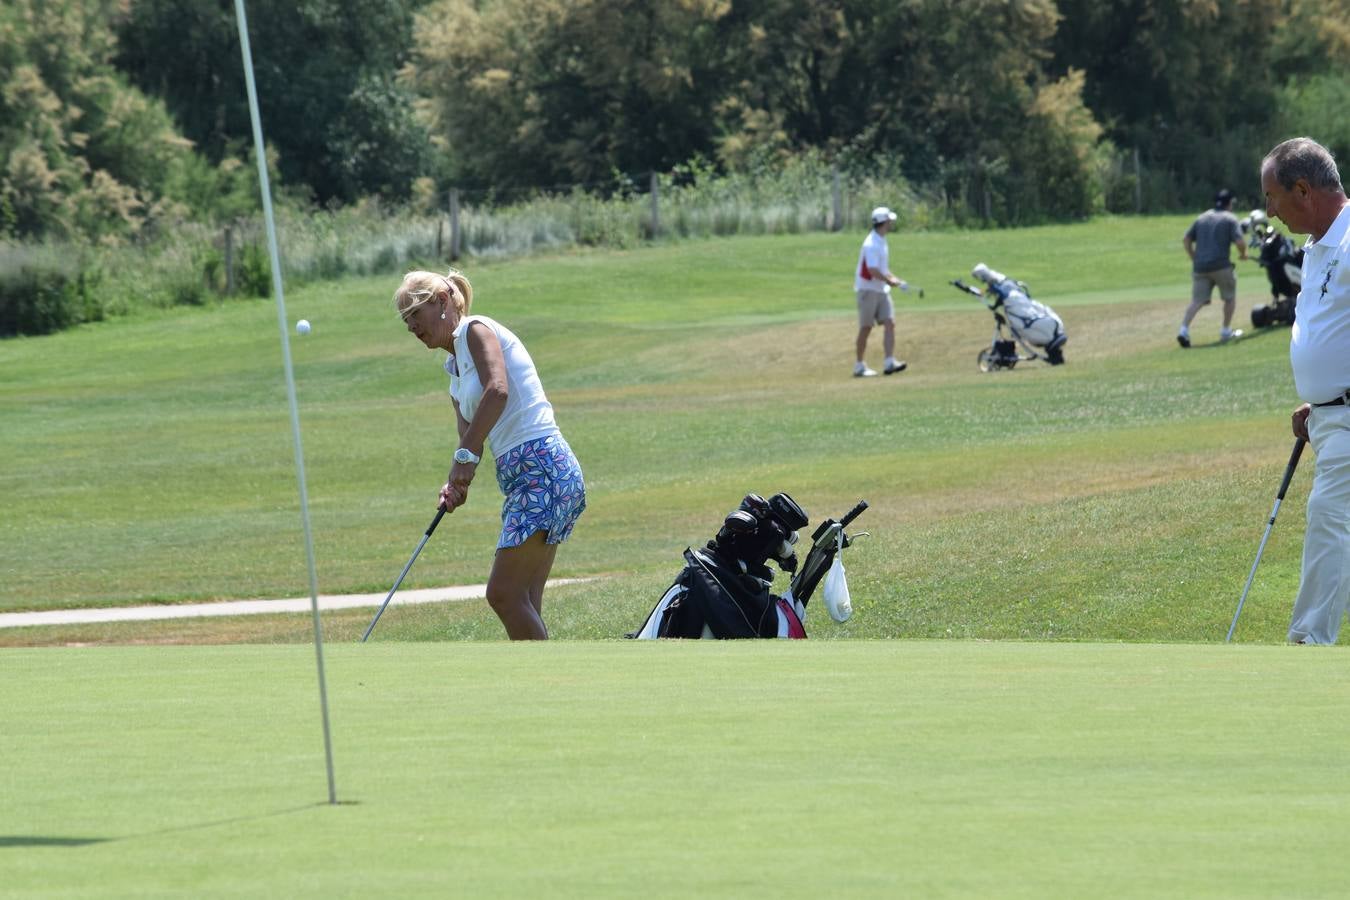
point(873, 282)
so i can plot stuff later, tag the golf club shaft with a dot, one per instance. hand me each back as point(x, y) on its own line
point(1274, 511)
point(420, 544)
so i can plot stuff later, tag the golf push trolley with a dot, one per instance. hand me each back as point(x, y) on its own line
point(1034, 331)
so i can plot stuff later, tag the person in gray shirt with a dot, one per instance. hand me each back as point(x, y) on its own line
point(1207, 242)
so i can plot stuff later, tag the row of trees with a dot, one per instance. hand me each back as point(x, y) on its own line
point(118, 116)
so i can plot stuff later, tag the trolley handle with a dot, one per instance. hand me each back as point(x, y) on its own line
point(853, 513)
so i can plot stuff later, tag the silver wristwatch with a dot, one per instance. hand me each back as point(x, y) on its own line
point(465, 455)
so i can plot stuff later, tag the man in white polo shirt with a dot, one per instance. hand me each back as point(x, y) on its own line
point(872, 281)
point(1303, 188)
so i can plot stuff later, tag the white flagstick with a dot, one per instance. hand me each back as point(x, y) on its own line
point(261, 152)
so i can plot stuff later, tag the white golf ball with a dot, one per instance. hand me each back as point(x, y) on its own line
point(302, 326)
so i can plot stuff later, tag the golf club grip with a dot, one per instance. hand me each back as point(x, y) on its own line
point(440, 514)
point(853, 513)
point(1293, 464)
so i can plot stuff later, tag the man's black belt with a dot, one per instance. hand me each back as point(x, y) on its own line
point(1339, 401)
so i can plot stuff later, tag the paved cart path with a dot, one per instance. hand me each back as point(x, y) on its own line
point(245, 607)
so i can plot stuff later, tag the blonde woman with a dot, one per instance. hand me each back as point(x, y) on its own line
point(499, 401)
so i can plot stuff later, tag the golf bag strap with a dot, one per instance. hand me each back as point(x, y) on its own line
point(732, 605)
point(789, 624)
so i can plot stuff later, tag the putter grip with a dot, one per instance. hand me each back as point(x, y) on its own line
point(1289, 470)
point(440, 513)
point(853, 513)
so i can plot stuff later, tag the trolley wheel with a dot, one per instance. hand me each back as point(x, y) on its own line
point(989, 361)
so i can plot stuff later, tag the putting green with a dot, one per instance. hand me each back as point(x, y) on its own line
point(773, 769)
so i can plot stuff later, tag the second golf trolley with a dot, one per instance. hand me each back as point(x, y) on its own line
point(1035, 332)
point(1283, 262)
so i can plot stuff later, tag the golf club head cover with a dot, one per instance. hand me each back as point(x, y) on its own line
point(788, 512)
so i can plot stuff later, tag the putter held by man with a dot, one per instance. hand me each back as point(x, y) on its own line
point(1274, 511)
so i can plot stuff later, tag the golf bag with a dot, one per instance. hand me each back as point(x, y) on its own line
point(723, 590)
point(1283, 262)
point(1031, 324)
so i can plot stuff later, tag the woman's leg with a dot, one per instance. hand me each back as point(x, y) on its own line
point(541, 576)
point(515, 589)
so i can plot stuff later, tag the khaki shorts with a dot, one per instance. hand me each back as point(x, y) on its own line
point(874, 308)
point(1203, 284)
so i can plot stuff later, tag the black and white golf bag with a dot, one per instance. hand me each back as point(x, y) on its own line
point(1283, 262)
point(723, 590)
point(1032, 324)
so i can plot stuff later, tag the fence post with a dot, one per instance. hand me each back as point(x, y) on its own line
point(454, 224)
point(1138, 184)
point(656, 207)
point(440, 230)
point(836, 201)
point(229, 260)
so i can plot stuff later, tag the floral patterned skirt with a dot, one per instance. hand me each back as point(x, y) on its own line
point(544, 491)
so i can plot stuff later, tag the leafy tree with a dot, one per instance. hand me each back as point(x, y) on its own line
point(1310, 51)
point(1186, 81)
point(85, 152)
point(542, 92)
point(1312, 39)
point(954, 89)
point(329, 102)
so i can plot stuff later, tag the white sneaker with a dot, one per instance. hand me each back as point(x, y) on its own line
point(1226, 336)
point(861, 371)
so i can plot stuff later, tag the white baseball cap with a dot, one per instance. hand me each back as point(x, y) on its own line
point(882, 214)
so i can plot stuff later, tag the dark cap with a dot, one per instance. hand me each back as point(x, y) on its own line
point(1223, 198)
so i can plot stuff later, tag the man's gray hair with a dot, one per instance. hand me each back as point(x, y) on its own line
point(1304, 158)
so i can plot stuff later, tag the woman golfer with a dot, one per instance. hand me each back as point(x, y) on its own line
point(498, 399)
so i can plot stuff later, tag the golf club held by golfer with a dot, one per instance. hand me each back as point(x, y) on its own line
point(440, 512)
point(1279, 498)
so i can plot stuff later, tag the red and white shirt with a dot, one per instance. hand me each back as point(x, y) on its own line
point(873, 259)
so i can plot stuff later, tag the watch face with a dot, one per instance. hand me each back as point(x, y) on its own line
point(463, 456)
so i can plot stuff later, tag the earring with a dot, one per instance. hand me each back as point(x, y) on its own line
point(442, 315)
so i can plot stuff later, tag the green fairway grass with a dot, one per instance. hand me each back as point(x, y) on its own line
point(753, 769)
point(1119, 497)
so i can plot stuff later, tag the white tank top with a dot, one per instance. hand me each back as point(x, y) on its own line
point(527, 415)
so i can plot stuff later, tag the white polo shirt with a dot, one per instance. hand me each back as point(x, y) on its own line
point(873, 259)
point(1319, 348)
point(527, 415)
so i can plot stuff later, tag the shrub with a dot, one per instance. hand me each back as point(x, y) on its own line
point(254, 273)
point(41, 292)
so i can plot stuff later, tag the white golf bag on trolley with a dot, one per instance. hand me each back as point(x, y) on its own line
point(1035, 327)
point(723, 590)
